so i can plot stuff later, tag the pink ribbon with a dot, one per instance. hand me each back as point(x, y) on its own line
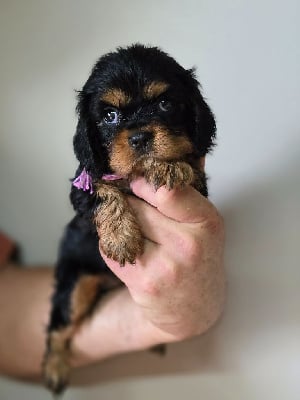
point(84, 182)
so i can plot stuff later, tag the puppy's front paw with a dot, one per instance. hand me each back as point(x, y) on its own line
point(171, 175)
point(119, 234)
point(121, 243)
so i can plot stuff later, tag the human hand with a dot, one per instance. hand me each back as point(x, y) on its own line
point(178, 282)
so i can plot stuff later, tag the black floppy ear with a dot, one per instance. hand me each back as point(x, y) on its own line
point(203, 120)
point(82, 148)
point(86, 143)
point(205, 126)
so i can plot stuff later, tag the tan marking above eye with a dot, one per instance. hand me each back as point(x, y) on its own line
point(155, 89)
point(116, 98)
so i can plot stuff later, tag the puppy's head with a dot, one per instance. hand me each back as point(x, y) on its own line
point(139, 102)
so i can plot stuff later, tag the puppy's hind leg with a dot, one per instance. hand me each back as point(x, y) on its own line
point(72, 304)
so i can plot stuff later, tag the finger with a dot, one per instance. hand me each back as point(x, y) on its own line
point(182, 204)
point(154, 225)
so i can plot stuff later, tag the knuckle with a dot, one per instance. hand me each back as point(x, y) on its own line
point(167, 278)
point(150, 287)
point(189, 245)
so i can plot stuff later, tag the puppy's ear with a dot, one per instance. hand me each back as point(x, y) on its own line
point(85, 142)
point(81, 144)
point(203, 120)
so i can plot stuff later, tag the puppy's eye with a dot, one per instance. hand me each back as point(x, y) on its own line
point(165, 105)
point(111, 116)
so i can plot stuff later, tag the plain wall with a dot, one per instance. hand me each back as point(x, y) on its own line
point(248, 59)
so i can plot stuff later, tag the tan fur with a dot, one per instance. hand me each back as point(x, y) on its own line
point(122, 156)
point(56, 366)
point(170, 147)
point(160, 173)
point(155, 89)
point(119, 233)
point(84, 295)
point(116, 98)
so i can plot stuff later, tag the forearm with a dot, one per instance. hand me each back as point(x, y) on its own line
point(24, 307)
point(119, 325)
point(24, 310)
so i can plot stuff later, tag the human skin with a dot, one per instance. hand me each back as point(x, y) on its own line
point(176, 289)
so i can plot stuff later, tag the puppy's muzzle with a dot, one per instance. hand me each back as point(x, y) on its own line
point(140, 141)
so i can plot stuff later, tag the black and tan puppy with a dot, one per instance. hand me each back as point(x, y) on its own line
point(140, 114)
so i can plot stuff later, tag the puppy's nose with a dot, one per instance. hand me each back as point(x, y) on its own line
point(140, 140)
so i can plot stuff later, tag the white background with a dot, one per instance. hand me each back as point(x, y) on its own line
point(248, 59)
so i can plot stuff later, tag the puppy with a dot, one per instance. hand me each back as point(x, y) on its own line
point(140, 114)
